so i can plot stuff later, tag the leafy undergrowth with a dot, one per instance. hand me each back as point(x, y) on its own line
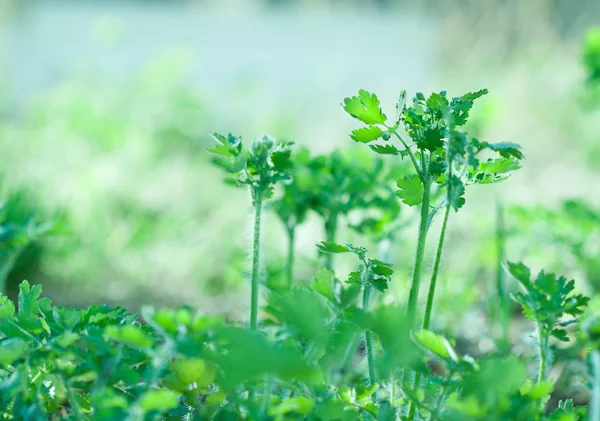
point(330, 349)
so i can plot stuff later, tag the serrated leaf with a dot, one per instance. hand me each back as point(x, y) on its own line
point(506, 149)
point(385, 149)
point(7, 307)
point(366, 134)
point(365, 107)
point(456, 193)
point(331, 247)
point(410, 190)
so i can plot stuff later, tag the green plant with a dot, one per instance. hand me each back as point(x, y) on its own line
point(259, 168)
point(443, 158)
point(372, 273)
point(571, 231)
point(305, 360)
point(19, 231)
point(591, 53)
point(545, 301)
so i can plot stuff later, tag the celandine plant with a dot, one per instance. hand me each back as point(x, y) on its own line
point(443, 157)
point(259, 167)
point(306, 360)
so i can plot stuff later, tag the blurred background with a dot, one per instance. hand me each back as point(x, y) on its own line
point(105, 108)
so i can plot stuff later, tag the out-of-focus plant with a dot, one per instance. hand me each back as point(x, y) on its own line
point(591, 54)
point(123, 162)
point(571, 233)
point(20, 229)
point(258, 167)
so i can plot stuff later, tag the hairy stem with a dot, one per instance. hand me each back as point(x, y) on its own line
point(440, 399)
point(416, 281)
point(419, 170)
point(368, 338)
point(542, 354)
point(502, 298)
point(330, 233)
point(595, 398)
point(255, 262)
point(429, 307)
point(291, 232)
point(436, 269)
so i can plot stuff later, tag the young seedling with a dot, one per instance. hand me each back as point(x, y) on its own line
point(259, 168)
point(444, 159)
point(546, 301)
point(373, 273)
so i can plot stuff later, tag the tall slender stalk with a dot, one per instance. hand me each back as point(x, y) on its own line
point(330, 233)
point(502, 298)
point(368, 338)
point(595, 398)
point(418, 266)
point(542, 354)
point(436, 269)
point(255, 261)
point(289, 269)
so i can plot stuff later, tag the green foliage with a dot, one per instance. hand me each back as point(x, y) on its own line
point(259, 167)
point(19, 230)
point(591, 53)
point(324, 350)
point(547, 299)
point(571, 232)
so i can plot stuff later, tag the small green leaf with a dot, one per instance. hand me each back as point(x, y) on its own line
point(400, 106)
point(506, 149)
point(159, 400)
point(193, 370)
point(130, 335)
point(365, 107)
point(411, 190)
point(12, 349)
point(324, 282)
point(331, 247)
point(435, 343)
point(366, 134)
point(298, 404)
point(7, 307)
point(385, 149)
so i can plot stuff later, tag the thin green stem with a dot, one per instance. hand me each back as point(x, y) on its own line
point(368, 338)
point(255, 262)
point(502, 298)
point(418, 169)
point(267, 397)
point(330, 233)
point(392, 390)
point(440, 399)
point(291, 232)
point(542, 354)
point(595, 398)
point(416, 281)
point(436, 269)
